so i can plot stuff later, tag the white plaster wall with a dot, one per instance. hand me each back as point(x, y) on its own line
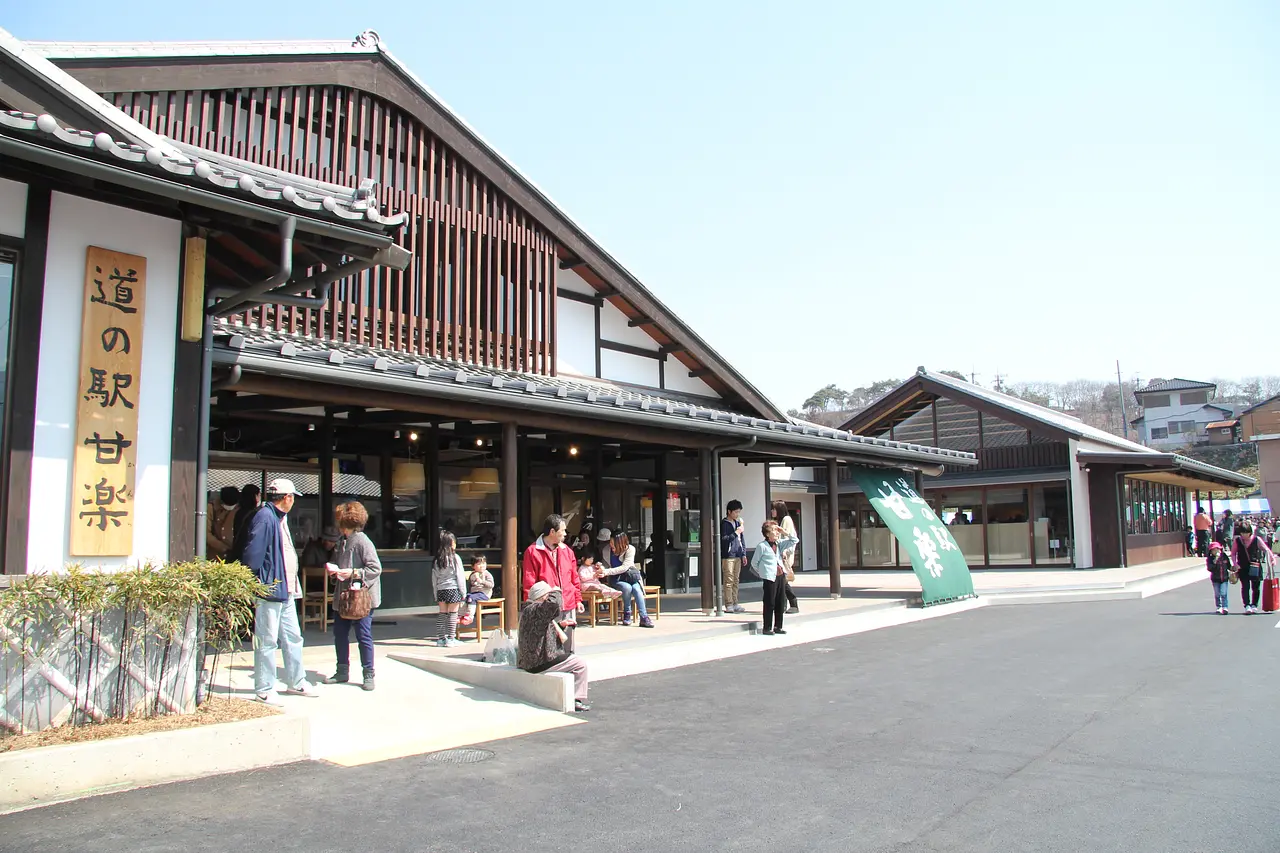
point(1083, 529)
point(625, 367)
point(570, 280)
point(808, 524)
point(745, 483)
point(13, 208)
point(613, 327)
point(575, 338)
point(678, 379)
point(75, 224)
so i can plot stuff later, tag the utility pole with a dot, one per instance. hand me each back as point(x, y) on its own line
point(1124, 417)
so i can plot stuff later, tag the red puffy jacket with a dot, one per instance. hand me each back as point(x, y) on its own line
point(558, 567)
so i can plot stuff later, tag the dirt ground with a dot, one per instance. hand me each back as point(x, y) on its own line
point(216, 710)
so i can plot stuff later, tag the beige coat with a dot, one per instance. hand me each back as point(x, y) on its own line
point(221, 530)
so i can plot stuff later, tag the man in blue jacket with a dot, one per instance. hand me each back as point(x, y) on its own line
point(733, 552)
point(268, 550)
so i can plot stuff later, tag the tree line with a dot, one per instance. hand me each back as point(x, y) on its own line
point(1095, 402)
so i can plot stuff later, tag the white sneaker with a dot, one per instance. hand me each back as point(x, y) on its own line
point(303, 690)
point(269, 699)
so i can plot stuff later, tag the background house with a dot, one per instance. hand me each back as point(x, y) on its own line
point(1177, 412)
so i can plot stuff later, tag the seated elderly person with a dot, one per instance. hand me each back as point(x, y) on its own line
point(543, 637)
point(321, 550)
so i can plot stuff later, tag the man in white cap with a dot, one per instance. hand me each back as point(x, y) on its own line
point(269, 551)
point(542, 640)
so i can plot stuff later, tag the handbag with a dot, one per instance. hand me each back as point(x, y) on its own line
point(1233, 576)
point(354, 603)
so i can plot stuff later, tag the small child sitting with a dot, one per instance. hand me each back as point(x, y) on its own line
point(590, 578)
point(479, 586)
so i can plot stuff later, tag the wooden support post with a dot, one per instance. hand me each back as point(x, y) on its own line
point(326, 471)
point(431, 459)
point(833, 525)
point(510, 527)
point(389, 526)
point(709, 526)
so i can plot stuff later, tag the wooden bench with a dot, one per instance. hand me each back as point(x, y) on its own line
point(315, 604)
point(593, 599)
point(654, 592)
point(492, 607)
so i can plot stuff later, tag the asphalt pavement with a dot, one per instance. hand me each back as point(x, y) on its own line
point(1110, 726)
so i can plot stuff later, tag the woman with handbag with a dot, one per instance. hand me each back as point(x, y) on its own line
point(357, 573)
point(781, 515)
point(621, 574)
point(1251, 557)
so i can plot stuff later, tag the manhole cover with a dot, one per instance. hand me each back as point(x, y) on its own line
point(461, 756)
point(824, 649)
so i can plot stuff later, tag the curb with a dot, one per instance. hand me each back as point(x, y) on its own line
point(553, 690)
point(54, 774)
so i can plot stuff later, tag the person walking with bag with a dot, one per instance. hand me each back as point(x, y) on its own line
point(780, 513)
point(1219, 566)
point(1252, 557)
point(357, 574)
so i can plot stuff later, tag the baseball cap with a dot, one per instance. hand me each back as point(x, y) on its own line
point(604, 535)
point(280, 487)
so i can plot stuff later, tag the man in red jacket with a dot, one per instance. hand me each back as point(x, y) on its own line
point(550, 559)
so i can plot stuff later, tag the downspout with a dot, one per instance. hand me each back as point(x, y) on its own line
point(227, 306)
point(1124, 536)
point(248, 294)
point(716, 496)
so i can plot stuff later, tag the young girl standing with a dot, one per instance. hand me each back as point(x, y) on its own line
point(1219, 565)
point(447, 578)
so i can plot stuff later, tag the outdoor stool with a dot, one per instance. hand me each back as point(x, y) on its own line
point(492, 607)
point(654, 592)
point(315, 605)
point(594, 600)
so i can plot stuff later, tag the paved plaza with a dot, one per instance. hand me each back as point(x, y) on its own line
point(1104, 726)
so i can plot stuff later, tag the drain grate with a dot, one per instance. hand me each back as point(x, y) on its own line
point(460, 756)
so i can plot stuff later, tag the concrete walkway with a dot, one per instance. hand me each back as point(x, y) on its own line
point(414, 712)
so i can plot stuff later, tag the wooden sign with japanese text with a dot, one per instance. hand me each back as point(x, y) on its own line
point(106, 437)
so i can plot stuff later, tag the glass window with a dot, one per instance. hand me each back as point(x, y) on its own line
point(1050, 525)
point(1159, 432)
point(962, 513)
point(1155, 401)
point(1008, 540)
point(878, 548)
point(471, 505)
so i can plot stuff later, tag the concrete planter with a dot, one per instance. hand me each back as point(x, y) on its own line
point(552, 690)
point(52, 774)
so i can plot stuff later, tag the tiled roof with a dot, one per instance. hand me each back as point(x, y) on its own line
point(667, 409)
point(1174, 385)
point(207, 169)
point(1221, 424)
point(369, 43)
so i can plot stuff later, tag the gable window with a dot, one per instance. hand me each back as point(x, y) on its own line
point(1156, 401)
point(1194, 398)
point(1159, 432)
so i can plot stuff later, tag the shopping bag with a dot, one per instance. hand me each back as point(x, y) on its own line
point(1271, 591)
point(499, 649)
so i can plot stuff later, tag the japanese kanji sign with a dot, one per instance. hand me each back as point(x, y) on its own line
point(935, 556)
point(106, 436)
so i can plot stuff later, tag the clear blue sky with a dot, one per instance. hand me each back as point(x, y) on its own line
point(839, 192)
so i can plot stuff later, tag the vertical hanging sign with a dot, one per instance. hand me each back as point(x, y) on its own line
point(106, 437)
point(935, 556)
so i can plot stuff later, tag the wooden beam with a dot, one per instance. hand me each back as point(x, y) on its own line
point(833, 526)
point(643, 321)
point(700, 372)
point(632, 350)
point(574, 296)
point(571, 263)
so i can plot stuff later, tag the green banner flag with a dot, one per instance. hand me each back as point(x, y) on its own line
point(935, 556)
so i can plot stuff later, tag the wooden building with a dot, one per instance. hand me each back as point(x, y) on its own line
point(1048, 490)
point(498, 366)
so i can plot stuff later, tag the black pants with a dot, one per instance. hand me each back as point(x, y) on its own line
point(1251, 590)
point(1202, 542)
point(775, 603)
